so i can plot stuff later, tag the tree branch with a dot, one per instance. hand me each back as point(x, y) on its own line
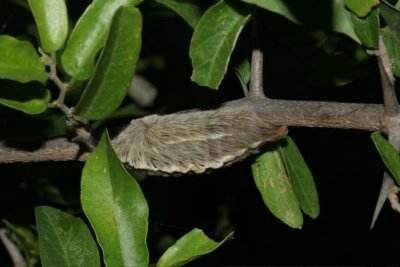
point(33, 150)
point(277, 112)
point(392, 116)
point(257, 58)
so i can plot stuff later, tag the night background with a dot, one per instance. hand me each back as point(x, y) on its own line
point(345, 164)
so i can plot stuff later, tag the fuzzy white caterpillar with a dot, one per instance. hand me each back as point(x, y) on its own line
point(193, 141)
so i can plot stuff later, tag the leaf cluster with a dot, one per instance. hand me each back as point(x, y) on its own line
point(100, 52)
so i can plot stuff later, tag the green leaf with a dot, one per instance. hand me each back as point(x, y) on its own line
point(116, 208)
point(391, 34)
point(88, 37)
point(392, 42)
point(300, 177)
point(115, 68)
point(52, 22)
point(367, 29)
point(242, 71)
point(189, 10)
point(213, 41)
point(275, 188)
point(388, 154)
point(361, 7)
point(31, 98)
point(64, 240)
point(19, 61)
point(189, 247)
point(331, 15)
point(391, 15)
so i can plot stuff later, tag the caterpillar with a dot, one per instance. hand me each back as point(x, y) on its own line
point(194, 141)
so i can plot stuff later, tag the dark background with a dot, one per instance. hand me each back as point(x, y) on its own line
point(346, 167)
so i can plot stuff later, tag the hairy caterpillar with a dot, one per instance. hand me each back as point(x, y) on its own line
point(193, 141)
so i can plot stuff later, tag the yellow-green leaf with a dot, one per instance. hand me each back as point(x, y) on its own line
point(115, 68)
point(30, 98)
point(20, 61)
point(116, 208)
point(361, 7)
point(189, 247)
point(88, 37)
point(52, 22)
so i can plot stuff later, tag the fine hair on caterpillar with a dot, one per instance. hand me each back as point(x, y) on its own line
point(194, 141)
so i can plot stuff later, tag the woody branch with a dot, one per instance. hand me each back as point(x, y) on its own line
point(371, 117)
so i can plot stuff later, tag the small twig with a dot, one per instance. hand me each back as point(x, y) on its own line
point(257, 58)
point(392, 117)
point(82, 130)
point(15, 255)
point(63, 87)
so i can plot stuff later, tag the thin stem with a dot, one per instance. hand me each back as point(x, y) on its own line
point(63, 87)
point(82, 130)
point(257, 58)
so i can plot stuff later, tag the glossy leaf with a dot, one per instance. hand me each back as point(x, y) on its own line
point(189, 10)
point(388, 154)
point(115, 68)
point(64, 240)
point(30, 98)
point(214, 40)
point(331, 15)
point(367, 28)
point(189, 247)
point(361, 7)
point(300, 176)
point(20, 61)
point(52, 22)
point(392, 42)
point(274, 185)
point(116, 208)
point(88, 37)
